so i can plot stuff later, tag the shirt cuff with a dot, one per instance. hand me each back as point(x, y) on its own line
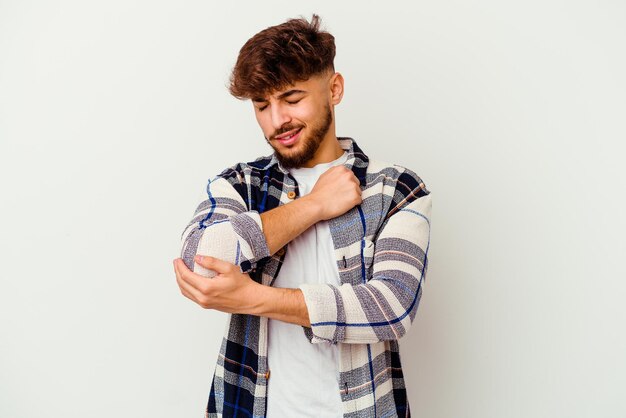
point(253, 245)
point(325, 313)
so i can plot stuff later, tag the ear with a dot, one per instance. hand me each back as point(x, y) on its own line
point(336, 88)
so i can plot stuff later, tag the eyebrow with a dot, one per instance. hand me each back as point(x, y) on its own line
point(281, 96)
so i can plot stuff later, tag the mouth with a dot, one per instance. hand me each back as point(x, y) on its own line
point(289, 138)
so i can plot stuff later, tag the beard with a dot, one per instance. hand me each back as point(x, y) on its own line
point(307, 145)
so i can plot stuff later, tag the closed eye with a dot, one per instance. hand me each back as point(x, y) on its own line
point(291, 102)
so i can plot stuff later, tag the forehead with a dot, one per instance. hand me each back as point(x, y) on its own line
point(297, 87)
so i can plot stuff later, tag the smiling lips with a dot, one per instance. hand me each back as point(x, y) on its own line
point(290, 137)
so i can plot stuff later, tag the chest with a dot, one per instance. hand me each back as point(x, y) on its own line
point(309, 258)
point(351, 236)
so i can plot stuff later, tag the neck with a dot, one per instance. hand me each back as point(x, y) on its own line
point(329, 150)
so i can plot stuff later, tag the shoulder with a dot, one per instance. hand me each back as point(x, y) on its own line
point(246, 171)
point(242, 181)
point(404, 180)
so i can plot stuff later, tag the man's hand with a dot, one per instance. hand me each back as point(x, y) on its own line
point(229, 291)
point(336, 192)
point(232, 291)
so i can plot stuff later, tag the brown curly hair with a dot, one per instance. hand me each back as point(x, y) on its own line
point(281, 55)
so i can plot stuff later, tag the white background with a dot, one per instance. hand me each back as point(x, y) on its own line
point(114, 114)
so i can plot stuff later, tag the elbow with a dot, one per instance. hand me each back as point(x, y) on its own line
point(398, 324)
point(237, 239)
point(216, 240)
point(394, 331)
point(406, 322)
point(189, 247)
point(397, 302)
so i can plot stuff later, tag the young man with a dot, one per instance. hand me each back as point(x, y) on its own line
point(317, 252)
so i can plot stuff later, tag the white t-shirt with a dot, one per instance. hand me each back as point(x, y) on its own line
point(304, 378)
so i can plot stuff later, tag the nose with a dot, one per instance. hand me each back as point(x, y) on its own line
point(279, 115)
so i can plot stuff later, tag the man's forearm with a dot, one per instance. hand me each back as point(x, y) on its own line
point(286, 222)
point(283, 304)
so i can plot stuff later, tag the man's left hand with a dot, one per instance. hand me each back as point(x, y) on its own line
point(229, 291)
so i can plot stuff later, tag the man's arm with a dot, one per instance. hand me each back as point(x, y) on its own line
point(223, 228)
point(381, 309)
point(385, 306)
point(335, 192)
point(232, 291)
point(231, 236)
point(284, 223)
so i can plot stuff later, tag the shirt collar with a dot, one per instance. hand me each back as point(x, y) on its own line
point(356, 160)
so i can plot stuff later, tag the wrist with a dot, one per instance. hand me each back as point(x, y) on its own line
point(312, 207)
point(254, 299)
point(268, 299)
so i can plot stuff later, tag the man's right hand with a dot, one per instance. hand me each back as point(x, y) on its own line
point(336, 191)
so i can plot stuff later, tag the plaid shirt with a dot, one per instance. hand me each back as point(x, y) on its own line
point(381, 249)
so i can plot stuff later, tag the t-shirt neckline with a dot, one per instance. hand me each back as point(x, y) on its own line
point(321, 167)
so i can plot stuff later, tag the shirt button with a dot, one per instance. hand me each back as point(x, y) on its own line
point(291, 195)
point(280, 252)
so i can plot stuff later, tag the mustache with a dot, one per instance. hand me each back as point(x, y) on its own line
point(285, 128)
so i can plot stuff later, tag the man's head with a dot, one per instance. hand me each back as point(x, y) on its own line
point(288, 72)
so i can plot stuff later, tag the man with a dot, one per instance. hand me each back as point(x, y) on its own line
point(317, 252)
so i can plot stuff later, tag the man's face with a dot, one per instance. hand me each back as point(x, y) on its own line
point(296, 120)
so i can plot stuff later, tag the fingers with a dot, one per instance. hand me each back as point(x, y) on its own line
point(215, 264)
point(186, 293)
point(191, 285)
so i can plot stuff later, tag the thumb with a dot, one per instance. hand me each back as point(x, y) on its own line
point(212, 263)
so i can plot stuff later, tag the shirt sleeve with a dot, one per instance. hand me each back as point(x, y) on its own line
point(384, 307)
point(224, 228)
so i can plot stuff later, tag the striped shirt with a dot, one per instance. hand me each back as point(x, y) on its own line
point(381, 250)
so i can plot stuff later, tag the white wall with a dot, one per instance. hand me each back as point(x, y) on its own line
point(114, 114)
